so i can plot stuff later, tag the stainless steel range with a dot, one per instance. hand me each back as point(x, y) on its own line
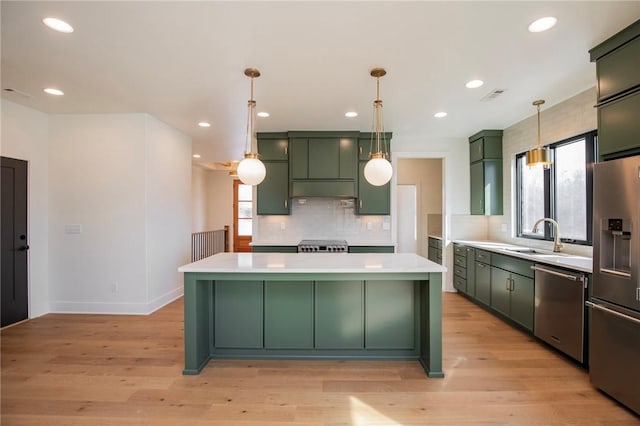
point(323, 246)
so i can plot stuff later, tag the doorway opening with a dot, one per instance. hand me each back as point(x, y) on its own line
point(242, 216)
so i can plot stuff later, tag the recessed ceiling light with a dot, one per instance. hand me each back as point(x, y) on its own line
point(474, 84)
point(263, 114)
point(440, 114)
point(351, 114)
point(53, 91)
point(204, 124)
point(542, 24)
point(58, 25)
point(196, 155)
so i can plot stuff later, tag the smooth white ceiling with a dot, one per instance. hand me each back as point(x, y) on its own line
point(183, 62)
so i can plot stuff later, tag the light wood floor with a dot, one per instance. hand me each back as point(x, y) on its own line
point(126, 370)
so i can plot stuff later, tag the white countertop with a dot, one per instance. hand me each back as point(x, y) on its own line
point(578, 263)
point(351, 242)
point(314, 263)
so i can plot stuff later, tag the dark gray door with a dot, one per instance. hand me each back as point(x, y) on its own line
point(14, 246)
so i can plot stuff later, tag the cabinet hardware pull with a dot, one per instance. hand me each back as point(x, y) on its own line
point(508, 284)
point(360, 150)
point(361, 203)
point(638, 294)
point(286, 150)
point(513, 284)
point(286, 204)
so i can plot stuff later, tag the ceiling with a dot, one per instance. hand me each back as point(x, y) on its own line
point(183, 62)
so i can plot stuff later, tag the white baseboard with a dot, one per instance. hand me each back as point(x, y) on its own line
point(62, 307)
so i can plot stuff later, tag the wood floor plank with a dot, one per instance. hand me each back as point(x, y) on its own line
point(103, 370)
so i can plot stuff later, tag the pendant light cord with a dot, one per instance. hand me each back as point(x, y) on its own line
point(248, 145)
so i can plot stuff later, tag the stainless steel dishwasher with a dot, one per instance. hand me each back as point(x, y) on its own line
point(559, 309)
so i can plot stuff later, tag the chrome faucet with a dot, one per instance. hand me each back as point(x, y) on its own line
point(556, 232)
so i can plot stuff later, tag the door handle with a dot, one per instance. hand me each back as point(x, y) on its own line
point(557, 273)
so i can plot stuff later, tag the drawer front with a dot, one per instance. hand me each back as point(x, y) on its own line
point(460, 271)
point(460, 284)
point(483, 256)
point(513, 264)
point(435, 242)
point(460, 261)
point(460, 250)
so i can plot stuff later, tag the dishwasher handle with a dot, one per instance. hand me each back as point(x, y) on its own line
point(558, 273)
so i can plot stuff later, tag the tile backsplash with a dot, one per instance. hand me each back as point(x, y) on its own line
point(323, 218)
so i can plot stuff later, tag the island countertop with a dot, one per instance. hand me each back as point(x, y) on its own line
point(314, 263)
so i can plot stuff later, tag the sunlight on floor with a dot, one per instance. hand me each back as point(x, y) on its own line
point(363, 414)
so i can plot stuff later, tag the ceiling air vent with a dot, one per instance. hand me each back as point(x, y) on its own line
point(17, 92)
point(493, 94)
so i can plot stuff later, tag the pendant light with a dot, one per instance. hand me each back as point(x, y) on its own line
point(539, 154)
point(251, 170)
point(378, 170)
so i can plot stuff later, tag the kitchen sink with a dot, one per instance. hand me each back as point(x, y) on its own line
point(525, 250)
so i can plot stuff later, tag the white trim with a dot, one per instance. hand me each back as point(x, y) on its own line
point(62, 307)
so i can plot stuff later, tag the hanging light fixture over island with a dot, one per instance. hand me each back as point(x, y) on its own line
point(251, 170)
point(378, 170)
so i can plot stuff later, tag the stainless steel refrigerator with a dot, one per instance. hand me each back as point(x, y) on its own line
point(614, 338)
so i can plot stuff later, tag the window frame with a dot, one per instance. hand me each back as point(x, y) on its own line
point(550, 203)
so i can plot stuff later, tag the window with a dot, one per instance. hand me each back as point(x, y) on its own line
point(562, 192)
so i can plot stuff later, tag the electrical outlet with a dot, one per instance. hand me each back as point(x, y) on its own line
point(503, 227)
point(386, 226)
point(369, 226)
point(283, 226)
point(115, 287)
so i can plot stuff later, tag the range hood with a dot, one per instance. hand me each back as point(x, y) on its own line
point(323, 188)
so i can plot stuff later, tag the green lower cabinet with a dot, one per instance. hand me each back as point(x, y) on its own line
point(390, 315)
point(371, 249)
point(500, 290)
point(483, 282)
point(288, 314)
point(471, 271)
point(274, 249)
point(339, 315)
point(238, 306)
point(513, 296)
point(522, 301)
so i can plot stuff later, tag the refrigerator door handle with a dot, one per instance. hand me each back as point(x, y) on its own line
point(612, 312)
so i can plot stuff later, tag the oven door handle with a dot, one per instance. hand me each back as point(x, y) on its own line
point(558, 273)
point(611, 311)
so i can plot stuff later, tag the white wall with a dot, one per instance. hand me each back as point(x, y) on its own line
point(219, 200)
point(125, 180)
point(571, 117)
point(168, 210)
point(97, 181)
point(25, 137)
point(198, 199)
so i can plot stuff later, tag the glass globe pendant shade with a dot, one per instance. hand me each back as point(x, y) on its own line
point(251, 170)
point(378, 170)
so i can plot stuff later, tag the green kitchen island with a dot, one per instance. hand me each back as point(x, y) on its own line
point(360, 306)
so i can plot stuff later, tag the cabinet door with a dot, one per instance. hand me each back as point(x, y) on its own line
point(618, 71)
point(288, 314)
point(273, 149)
point(348, 158)
point(238, 314)
point(483, 283)
point(522, 300)
point(471, 271)
point(299, 158)
point(476, 152)
point(273, 192)
point(619, 126)
point(500, 290)
point(372, 200)
point(390, 317)
point(477, 188)
point(339, 315)
point(324, 158)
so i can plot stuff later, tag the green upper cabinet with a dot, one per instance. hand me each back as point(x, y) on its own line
point(485, 154)
point(323, 156)
point(273, 146)
point(372, 200)
point(367, 143)
point(617, 60)
point(273, 193)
